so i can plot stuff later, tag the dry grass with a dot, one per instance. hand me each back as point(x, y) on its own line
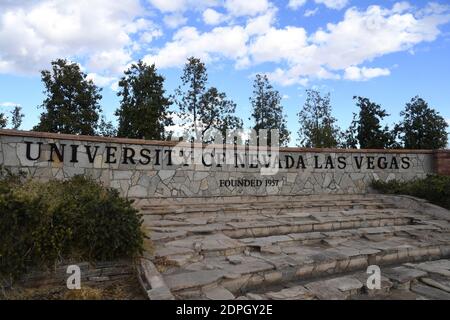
point(123, 289)
point(162, 264)
point(148, 246)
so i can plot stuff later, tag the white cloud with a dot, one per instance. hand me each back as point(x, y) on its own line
point(360, 37)
point(311, 12)
point(172, 6)
point(101, 81)
point(365, 35)
point(261, 24)
point(434, 8)
point(8, 104)
point(175, 20)
point(113, 60)
point(239, 8)
point(212, 17)
point(339, 51)
point(363, 74)
point(333, 4)
point(295, 4)
point(99, 32)
point(287, 77)
point(278, 44)
point(221, 42)
point(169, 6)
point(148, 36)
point(179, 127)
point(105, 37)
point(401, 7)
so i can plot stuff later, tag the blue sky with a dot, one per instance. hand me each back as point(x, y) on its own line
point(387, 50)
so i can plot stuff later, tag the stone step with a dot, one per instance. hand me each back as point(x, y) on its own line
point(333, 237)
point(262, 201)
point(180, 220)
point(274, 227)
point(255, 214)
point(332, 215)
point(258, 271)
point(221, 245)
point(295, 246)
point(403, 282)
point(226, 200)
point(262, 207)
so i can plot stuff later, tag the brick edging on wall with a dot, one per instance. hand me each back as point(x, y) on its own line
point(58, 136)
point(442, 162)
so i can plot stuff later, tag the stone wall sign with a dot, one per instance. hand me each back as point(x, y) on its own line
point(141, 168)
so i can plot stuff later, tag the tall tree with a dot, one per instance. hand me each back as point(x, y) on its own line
point(216, 114)
point(190, 93)
point(16, 117)
point(72, 102)
point(318, 127)
point(203, 110)
point(106, 128)
point(3, 121)
point(367, 127)
point(349, 136)
point(143, 111)
point(422, 127)
point(267, 110)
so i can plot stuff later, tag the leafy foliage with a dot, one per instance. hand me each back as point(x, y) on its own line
point(216, 114)
point(318, 127)
point(433, 188)
point(189, 95)
point(422, 127)
point(16, 117)
point(267, 109)
point(366, 130)
point(42, 223)
point(205, 111)
point(72, 102)
point(143, 111)
point(106, 128)
point(3, 121)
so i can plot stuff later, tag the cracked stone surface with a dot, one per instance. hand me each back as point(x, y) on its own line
point(307, 248)
point(155, 177)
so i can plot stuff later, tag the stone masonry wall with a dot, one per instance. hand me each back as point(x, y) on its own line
point(96, 275)
point(142, 169)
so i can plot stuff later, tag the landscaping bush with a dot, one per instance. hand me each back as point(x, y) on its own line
point(42, 223)
point(434, 188)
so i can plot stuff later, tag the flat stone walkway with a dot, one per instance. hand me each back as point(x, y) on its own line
point(297, 247)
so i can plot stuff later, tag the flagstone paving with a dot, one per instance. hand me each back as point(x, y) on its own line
point(304, 247)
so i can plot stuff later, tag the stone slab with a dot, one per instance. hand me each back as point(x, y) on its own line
point(403, 274)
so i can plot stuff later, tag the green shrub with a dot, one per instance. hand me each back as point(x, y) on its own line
point(43, 223)
point(434, 188)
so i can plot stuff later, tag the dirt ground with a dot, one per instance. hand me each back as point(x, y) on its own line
point(127, 288)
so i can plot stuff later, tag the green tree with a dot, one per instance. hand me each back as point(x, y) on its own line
point(143, 111)
point(16, 117)
point(349, 136)
point(190, 93)
point(203, 109)
point(267, 111)
point(366, 127)
point(106, 128)
point(72, 101)
point(3, 121)
point(422, 127)
point(318, 127)
point(216, 114)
